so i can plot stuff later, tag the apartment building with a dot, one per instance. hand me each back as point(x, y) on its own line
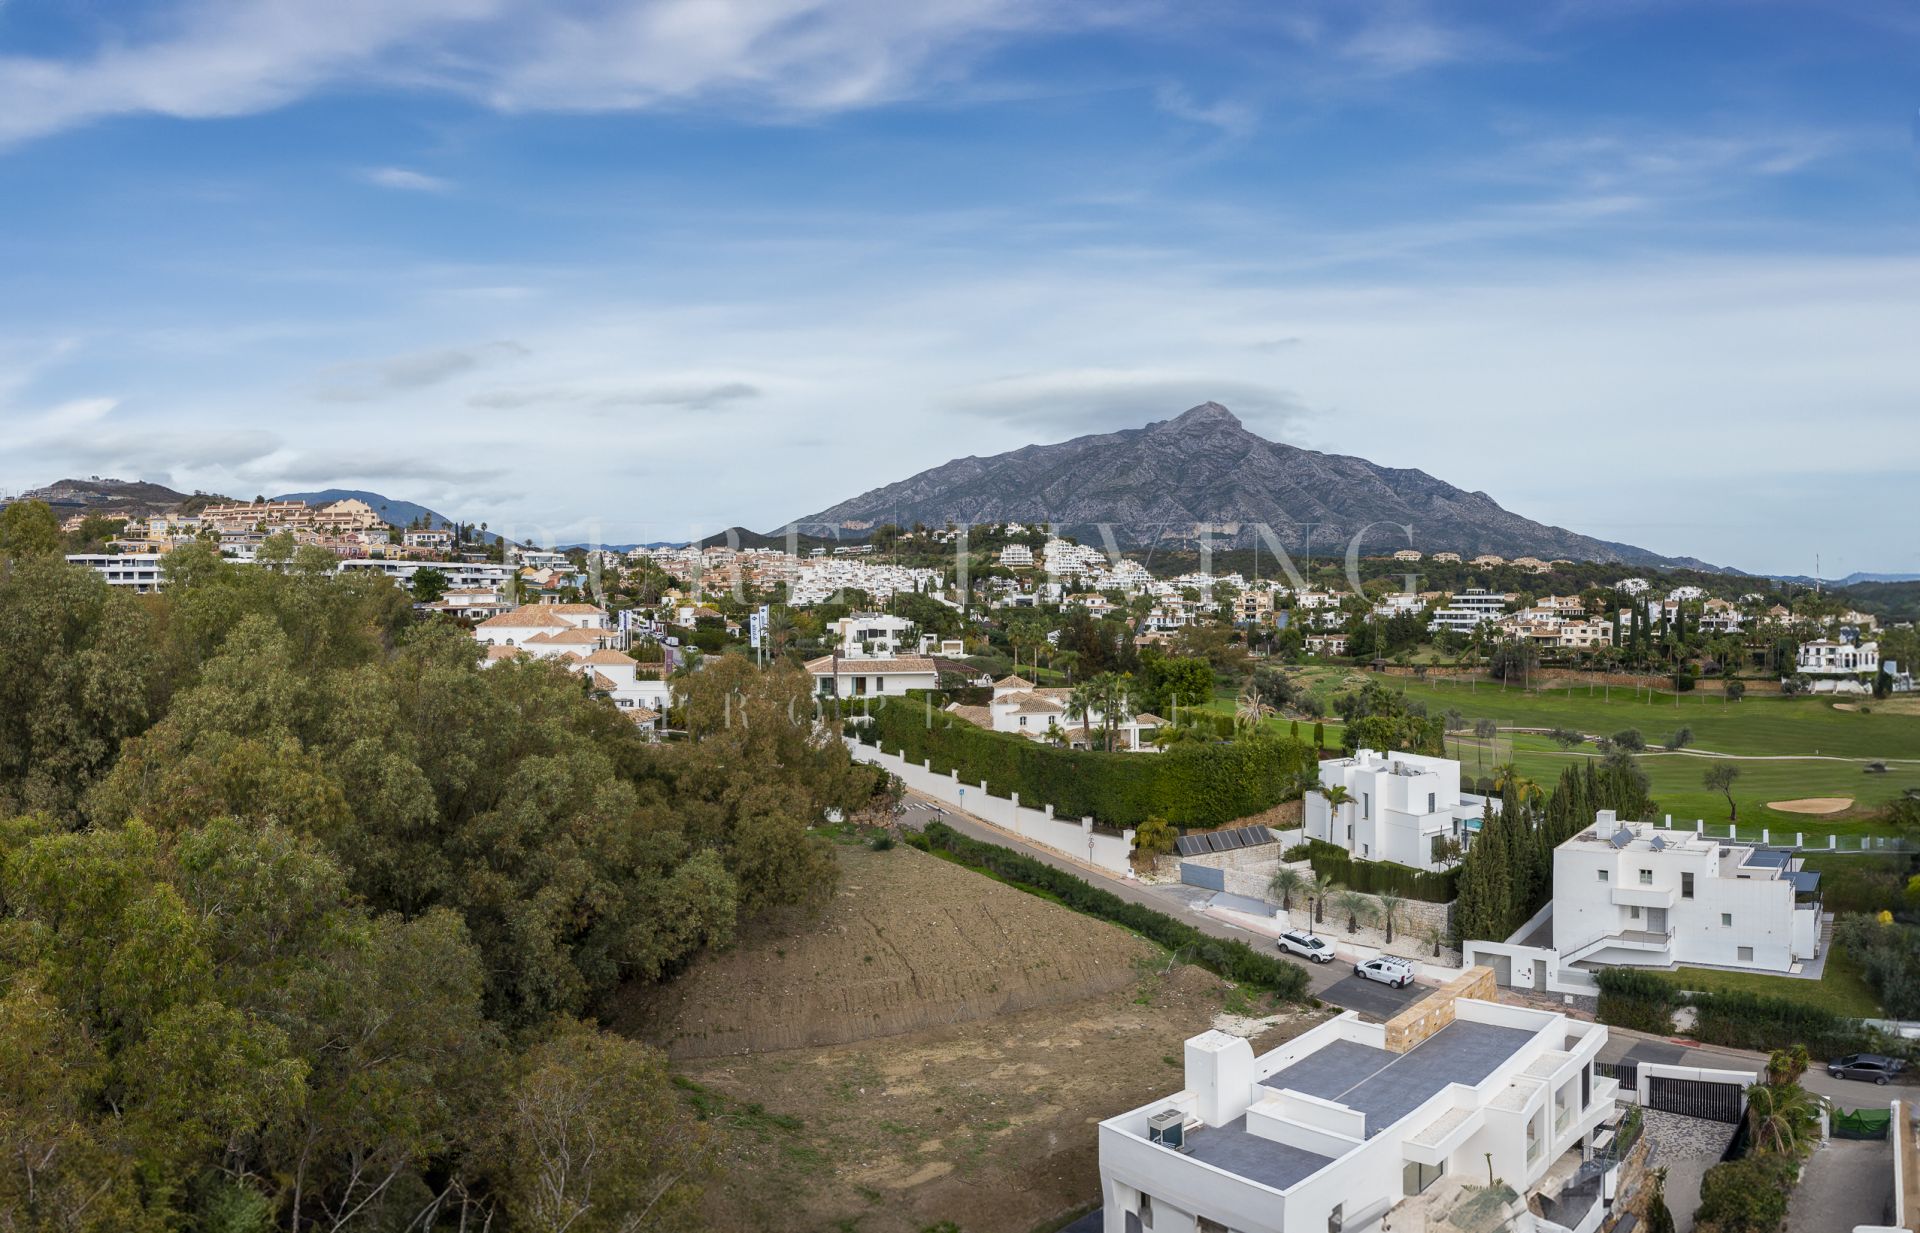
point(136, 571)
point(1630, 893)
point(1358, 1126)
point(1404, 808)
point(1016, 556)
point(1469, 608)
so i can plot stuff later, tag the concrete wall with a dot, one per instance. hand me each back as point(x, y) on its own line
point(1520, 968)
point(1069, 837)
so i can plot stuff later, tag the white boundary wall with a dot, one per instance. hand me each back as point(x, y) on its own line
point(1075, 838)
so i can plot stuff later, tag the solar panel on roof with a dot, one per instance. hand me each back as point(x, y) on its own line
point(1659, 844)
point(1621, 838)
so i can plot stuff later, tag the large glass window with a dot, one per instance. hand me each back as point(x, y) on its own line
point(1416, 1177)
point(1686, 886)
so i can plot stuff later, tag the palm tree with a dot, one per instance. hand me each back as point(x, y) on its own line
point(1432, 938)
point(1354, 904)
point(1390, 903)
point(1249, 710)
point(1285, 882)
point(1782, 1117)
point(1787, 1065)
point(1336, 795)
point(1322, 886)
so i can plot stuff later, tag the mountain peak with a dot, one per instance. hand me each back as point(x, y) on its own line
point(1209, 416)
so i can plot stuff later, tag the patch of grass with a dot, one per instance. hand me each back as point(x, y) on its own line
point(749, 1116)
point(1841, 989)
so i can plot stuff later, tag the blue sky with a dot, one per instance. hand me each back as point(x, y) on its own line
point(644, 269)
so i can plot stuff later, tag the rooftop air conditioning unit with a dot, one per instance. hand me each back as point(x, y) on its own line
point(1168, 1128)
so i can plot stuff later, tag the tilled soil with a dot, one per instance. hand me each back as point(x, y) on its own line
point(910, 942)
point(977, 1036)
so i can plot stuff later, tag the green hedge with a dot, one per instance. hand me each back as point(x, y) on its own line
point(1373, 877)
point(1236, 961)
point(1735, 1019)
point(1189, 784)
point(1638, 999)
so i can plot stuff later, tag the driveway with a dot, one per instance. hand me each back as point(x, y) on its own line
point(1845, 1183)
point(1370, 997)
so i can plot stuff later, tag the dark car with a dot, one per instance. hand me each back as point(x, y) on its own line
point(1870, 1067)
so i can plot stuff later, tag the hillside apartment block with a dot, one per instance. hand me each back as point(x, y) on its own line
point(1341, 1126)
point(1630, 893)
point(1405, 806)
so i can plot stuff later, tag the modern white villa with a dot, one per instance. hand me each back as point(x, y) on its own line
point(1468, 608)
point(1404, 808)
point(1352, 1123)
point(1839, 666)
point(1632, 893)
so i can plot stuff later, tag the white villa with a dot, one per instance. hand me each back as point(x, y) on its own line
point(1405, 806)
point(578, 637)
point(1839, 666)
point(1351, 1121)
point(1025, 709)
point(867, 664)
point(1629, 893)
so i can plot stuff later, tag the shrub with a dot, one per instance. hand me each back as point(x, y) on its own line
point(1637, 999)
point(1194, 783)
point(1235, 961)
point(1374, 877)
point(1748, 1195)
point(1741, 1020)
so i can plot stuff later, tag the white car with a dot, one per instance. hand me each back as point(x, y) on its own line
point(1307, 946)
point(1387, 970)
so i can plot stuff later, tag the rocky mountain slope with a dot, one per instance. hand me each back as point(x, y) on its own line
point(1160, 483)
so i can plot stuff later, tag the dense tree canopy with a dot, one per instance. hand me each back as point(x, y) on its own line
point(304, 913)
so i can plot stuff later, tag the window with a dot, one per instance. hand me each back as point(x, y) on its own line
point(1431, 805)
point(1146, 1211)
point(1416, 1177)
point(1634, 911)
point(1602, 873)
point(1746, 954)
point(1646, 877)
point(1686, 886)
point(1366, 804)
point(1337, 1218)
point(1726, 920)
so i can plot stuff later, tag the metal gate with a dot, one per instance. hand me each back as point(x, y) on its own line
point(1716, 1102)
point(1203, 876)
point(1625, 1073)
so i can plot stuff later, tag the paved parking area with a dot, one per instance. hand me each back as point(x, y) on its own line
point(1371, 997)
point(1845, 1183)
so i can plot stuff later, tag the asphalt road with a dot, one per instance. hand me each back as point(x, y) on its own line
point(1846, 1093)
point(1330, 982)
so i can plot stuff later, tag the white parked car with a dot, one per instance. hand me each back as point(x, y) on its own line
point(1307, 946)
point(1386, 969)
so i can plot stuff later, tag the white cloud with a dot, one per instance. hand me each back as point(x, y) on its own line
point(359, 382)
point(405, 179)
point(238, 57)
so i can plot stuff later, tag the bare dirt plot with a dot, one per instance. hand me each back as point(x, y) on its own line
point(986, 1118)
point(1813, 804)
point(990, 1124)
point(910, 942)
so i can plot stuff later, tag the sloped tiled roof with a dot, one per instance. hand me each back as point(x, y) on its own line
point(870, 665)
point(607, 655)
point(530, 616)
point(504, 652)
point(1013, 682)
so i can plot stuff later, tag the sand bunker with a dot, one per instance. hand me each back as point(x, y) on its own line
point(1813, 804)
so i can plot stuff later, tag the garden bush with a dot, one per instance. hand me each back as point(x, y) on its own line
point(1748, 1195)
point(1637, 999)
point(1741, 1020)
point(1235, 961)
point(1373, 877)
point(1190, 784)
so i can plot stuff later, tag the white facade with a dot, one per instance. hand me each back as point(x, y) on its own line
point(460, 575)
point(1634, 894)
point(1022, 708)
point(1469, 608)
point(137, 571)
point(1834, 658)
point(1333, 1130)
point(1404, 806)
point(871, 633)
point(1016, 555)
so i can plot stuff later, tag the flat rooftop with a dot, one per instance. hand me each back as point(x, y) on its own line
point(1385, 1086)
point(1257, 1159)
point(1388, 1086)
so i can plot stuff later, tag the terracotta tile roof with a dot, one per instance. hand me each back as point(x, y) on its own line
point(528, 617)
point(607, 655)
point(870, 665)
point(575, 609)
point(1013, 682)
point(643, 715)
point(1149, 719)
point(504, 652)
point(604, 683)
point(1025, 703)
point(978, 716)
point(569, 636)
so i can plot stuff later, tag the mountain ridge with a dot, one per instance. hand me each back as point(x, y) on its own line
point(1204, 468)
